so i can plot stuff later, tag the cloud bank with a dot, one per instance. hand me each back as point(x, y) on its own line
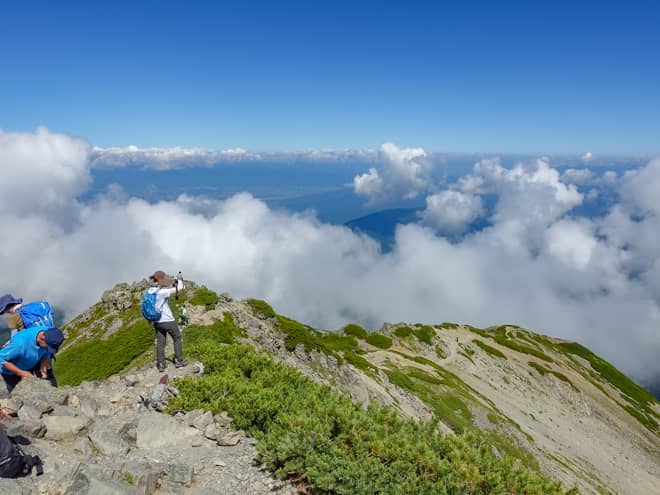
point(534, 264)
point(178, 157)
point(405, 175)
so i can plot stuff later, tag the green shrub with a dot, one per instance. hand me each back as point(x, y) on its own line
point(307, 432)
point(439, 351)
point(220, 332)
point(204, 297)
point(261, 308)
point(359, 362)
point(540, 368)
point(403, 332)
point(642, 401)
point(610, 373)
point(334, 342)
point(449, 325)
point(379, 340)
point(425, 334)
point(355, 331)
point(297, 333)
point(489, 350)
point(525, 349)
point(97, 359)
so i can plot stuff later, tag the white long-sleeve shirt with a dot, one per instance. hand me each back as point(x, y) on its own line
point(162, 295)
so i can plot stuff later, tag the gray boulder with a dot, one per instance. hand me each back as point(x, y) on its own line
point(64, 427)
point(201, 422)
point(155, 431)
point(107, 441)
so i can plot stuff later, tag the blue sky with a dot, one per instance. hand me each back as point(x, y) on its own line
point(556, 77)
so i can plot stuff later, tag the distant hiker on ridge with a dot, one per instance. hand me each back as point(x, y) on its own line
point(34, 314)
point(156, 309)
point(28, 355)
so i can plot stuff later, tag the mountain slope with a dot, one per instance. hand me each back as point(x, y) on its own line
point(551, 404)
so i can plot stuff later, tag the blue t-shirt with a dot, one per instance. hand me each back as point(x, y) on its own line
point(23, 350)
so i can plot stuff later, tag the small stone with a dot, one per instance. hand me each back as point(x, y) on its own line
point(197, 442)
point(192, 416)
point(89, 407)
point(180, 473)
point(131, 380)
point(230, 439)
point(107, 441)
point(201, 422)
point(223, 419)
point(27, 428)
point(219, 463)
point(74, 401)
point(64, 427)
point(212, 432)
point(83, 446)
point(29, 411)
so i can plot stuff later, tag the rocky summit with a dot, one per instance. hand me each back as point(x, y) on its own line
point(510, 405)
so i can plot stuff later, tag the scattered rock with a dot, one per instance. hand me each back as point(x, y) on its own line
point(191, 416)
point(155, 431)
point(131, 380)
point(28, 411)
point(230, 439)
point(201, 422)
point(64, 427)
point(212, 432)
point(223, 419)
point(27, 428)
point(107, 441)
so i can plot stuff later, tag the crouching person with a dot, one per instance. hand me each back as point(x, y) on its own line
point(28, 355)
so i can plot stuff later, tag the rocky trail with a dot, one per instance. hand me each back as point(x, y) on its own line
point(110, 438)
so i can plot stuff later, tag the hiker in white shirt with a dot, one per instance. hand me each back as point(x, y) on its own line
point(166, 324)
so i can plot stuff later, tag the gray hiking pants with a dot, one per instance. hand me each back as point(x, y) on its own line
point(162, 329)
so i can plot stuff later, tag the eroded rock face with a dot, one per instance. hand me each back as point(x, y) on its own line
point(103, 438)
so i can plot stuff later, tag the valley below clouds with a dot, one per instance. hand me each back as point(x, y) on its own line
point(534, 261)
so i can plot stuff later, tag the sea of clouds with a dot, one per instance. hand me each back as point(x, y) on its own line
point(534, 263)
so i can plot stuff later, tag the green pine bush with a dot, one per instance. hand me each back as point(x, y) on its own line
point(307, 432)
point(379, 340)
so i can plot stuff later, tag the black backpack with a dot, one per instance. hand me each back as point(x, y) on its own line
point(13, 461)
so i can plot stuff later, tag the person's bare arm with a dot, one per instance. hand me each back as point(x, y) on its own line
point(45, 363)
point(9, 366)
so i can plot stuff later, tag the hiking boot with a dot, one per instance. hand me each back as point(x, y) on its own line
point(161, 368)
point(180, 364)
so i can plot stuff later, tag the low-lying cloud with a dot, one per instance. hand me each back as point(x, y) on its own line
point(173, 158)
point(593, 280)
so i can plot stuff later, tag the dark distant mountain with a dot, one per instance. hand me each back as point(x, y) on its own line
point(381, 225)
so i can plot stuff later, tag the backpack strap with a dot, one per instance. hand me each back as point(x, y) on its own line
point(33, 461)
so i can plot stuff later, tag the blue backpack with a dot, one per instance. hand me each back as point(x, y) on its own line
point(36, 314)
point(149, 309)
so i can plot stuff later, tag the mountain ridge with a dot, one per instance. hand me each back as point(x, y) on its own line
point(536, 398)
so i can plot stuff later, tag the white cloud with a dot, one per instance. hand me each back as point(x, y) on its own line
point(41, 171)
point(595, 281)
point(587, 157)
point(578, 176)
point(404, 175)
point(451, 212)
